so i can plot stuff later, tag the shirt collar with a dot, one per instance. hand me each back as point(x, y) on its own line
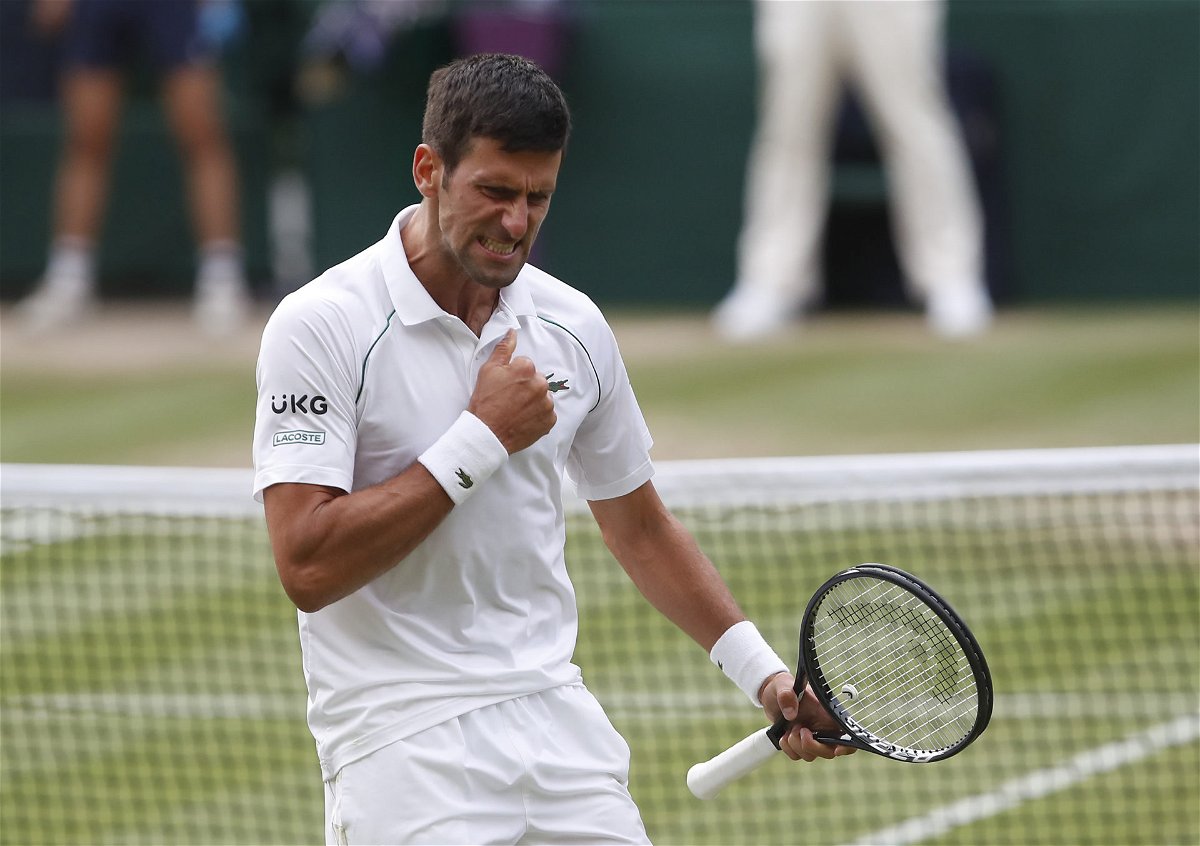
point(412, 302)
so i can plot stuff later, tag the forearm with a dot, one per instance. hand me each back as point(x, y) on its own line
point(676, 577)
point(328, 543)
point(671, 571)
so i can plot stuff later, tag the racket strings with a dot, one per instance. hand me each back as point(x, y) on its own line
point(913, 675)
point(904, 710)
point(915, 725)
point(945, 672)
point(942, 645)
point(904, 664)
point(915, 722)
point(905, 676)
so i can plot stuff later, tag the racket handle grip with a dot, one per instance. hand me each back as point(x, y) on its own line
point(706, 780)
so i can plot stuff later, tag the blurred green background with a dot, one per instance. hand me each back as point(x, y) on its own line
point(141, 386)
point(1083, 122)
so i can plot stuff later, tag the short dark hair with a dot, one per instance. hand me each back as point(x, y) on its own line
point(493, 95)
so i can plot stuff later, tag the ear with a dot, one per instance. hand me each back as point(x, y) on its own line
point(427, 170)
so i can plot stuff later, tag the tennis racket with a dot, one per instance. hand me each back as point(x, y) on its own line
point(891, 662)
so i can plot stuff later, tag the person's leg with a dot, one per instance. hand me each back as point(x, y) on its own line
point(91, 105)
point(787, 176)
point(191, 95)
point(192, 102)
point(544, 768)
point(896, 53)
point(578, 764)
point(458, 782)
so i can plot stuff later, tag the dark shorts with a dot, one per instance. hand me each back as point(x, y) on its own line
point(111, 33)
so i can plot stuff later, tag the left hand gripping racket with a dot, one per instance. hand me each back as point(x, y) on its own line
point(891, 662)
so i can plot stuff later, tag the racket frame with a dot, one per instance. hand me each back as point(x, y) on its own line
point(708, 778)
point(853, 734)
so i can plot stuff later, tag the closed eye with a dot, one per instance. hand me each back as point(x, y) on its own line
point(496, 192)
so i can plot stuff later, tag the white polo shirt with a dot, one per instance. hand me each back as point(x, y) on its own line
point(360, 371)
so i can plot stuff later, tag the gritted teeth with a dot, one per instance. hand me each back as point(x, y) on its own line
point(498, 246)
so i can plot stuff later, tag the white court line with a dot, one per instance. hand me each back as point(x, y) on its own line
point(1040, 783)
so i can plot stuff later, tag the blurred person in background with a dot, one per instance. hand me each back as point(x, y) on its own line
point(892, 52)
point(180, 39)
point(351, 38)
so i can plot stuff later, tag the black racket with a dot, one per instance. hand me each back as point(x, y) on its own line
point(892, 663)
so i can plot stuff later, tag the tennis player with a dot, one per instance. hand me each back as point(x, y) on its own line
point(418, 407)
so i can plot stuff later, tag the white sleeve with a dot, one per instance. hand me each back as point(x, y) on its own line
point(610, 455)
point(305, 421)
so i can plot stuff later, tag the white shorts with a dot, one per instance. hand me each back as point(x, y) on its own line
point(545, 768)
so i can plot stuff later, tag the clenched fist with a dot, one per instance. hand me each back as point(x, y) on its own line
point(512, 398)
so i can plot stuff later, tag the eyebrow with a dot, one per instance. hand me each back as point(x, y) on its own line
point(510, 191)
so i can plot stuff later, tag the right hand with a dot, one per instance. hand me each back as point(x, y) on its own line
point(512, 397)
point(778, 697)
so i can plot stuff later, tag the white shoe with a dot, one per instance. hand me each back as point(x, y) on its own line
point(961, 312)
point(221, 307)
point(56, 302)
point(739, 319)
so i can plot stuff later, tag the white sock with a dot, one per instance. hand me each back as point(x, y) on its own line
point(72, 261)
point(220, 263)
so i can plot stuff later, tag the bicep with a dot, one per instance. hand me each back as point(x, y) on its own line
point(632, 519)
point(642, 533)
point(291, 508)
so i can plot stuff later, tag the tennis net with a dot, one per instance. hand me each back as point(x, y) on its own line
point(151, 691)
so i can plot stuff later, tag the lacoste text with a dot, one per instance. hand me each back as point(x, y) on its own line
point(297, 436)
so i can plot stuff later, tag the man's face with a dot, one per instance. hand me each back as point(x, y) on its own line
point(491, 207)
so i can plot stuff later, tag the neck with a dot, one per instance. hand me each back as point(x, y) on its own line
point(447, 283)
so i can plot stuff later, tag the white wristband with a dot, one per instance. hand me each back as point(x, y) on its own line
point(463, 458)
point(744, 656)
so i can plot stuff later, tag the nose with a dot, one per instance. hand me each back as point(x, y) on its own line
point(516, 219)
